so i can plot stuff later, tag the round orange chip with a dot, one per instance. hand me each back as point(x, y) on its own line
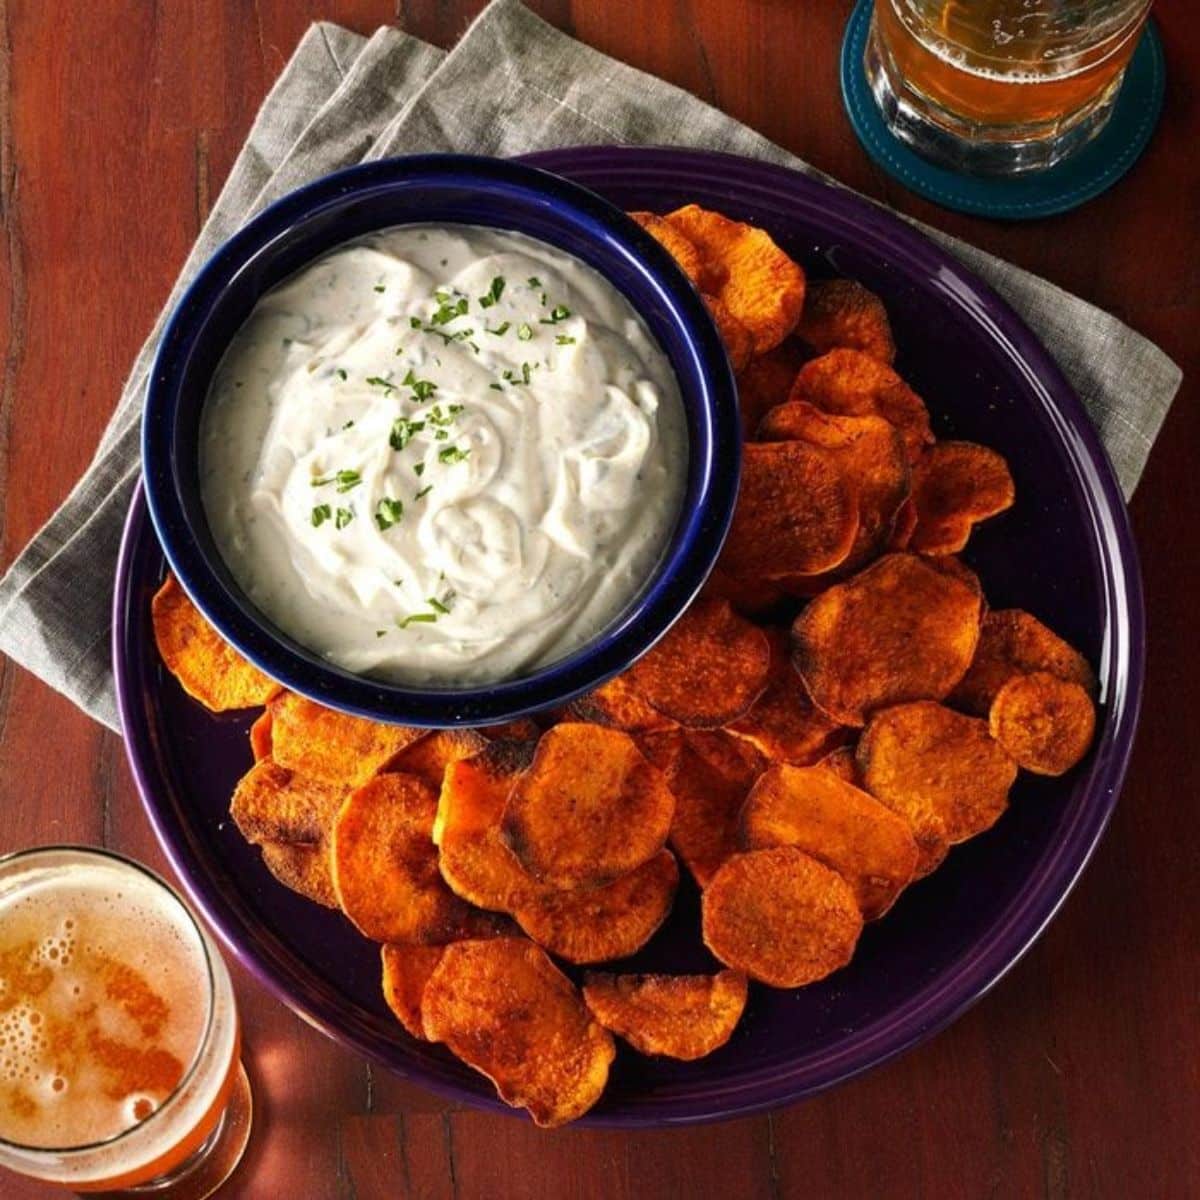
point(260, 737)
point(900, 630)
point(795, 512)
point(1044, 722)
point(748, 595)
point(856, 385)
point(302, 867)
point(759, 284)
point(781, 917)
point(843, 313)
point(618, 704)
point(591, 925)
point(842, 763)
point(867, 450)
point(709, 668)
point(385, 869)
point(206, 666)
point(406, 971)
point(955, 486)
point(589, 809)
point(671, 1016)
point(273, 804)
point(766, 382)
point(943, 772)
point(1014, 642)
point(679, 247)
point(428, 757)
point(737, 339)
point(868, 845)
point(506, 1010)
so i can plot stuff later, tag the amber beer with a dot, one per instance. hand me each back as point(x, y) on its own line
point(118, 1031)
point(1000, 84)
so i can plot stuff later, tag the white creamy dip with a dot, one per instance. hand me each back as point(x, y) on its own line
point(443, 454)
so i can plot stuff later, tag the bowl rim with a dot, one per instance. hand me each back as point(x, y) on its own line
point(706, 384)
point(939, 1003)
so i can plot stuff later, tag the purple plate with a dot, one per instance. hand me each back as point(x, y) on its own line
point(1065, 552)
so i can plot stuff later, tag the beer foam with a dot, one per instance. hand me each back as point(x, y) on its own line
point(103, 1004)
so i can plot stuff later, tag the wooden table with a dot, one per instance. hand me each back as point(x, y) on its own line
point(1077, 1076)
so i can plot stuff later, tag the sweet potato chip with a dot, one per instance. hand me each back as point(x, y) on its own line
point(521, 730)
point(303, 868)
point(668, 1016)
point(710, 774)
point(762, 287)
point(748, 595)
point(617, 704)
point(843, 763)
point(856, 385)
point(472, 856)
point(678, 246)
point(783, 724)
point(385, 866)
point(868, 845)
point(429, 757)
point(955, 486)
point(260, 737)
point(843, 313)
point(406, 971)
point(795, 512)
point(206, 666)
point(273, 804)
point(506, 1010)
point(1014, 642)
point(942, 771)
point(900, 630)
point(737, 338)
point(331, 746)
point(1044, 722)
point(766, 382)
point(870, 454)
point(709, 668)
point(780, 916)
point(589, 809)
point(903, 526)
point(591, 925)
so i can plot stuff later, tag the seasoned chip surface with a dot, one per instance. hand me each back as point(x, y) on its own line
point(710, 773)
point(589, 809)
point(795, 513)
point(406, 971)
point(857, 385)
point(1014, 642)
point(618, 704)
point(273, 804)
point(865, 842)
point(385, 869)
point(737, 338)
point(678, 246)
point(506, 1010)
point(900, 630)
point(302, 867)
point(940, 770)
point(260, 737)
point(331, 746)
point(781, 917)
point(843, 313)
point(759, 284)
point(592, 925)
point(767, 381)
point(709, 668)
point(429, 756)
point(1044, 722)
point(955, 486)
point(672, 1016)
point(206, 666)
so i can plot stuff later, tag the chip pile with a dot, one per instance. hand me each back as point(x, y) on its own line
point(835, 711)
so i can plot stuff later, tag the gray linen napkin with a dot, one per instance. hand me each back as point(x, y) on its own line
point(512, 84)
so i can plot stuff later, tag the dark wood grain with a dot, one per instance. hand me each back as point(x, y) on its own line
point(1077, 1076)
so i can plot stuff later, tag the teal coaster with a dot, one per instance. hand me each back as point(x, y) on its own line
point(1072, 182)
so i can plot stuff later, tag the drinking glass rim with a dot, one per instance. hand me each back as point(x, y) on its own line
point(1113, 41)
point(186, 1078)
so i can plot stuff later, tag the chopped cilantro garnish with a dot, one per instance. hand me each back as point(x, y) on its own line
point(534, 281)
point(403, 430)
point(452, 454)
point(560, 312)
point(436, 605)
point(343, 518)
point(379, 287)
point(414, 618)
point(341, 372)
point(418, 469)
point(348, 424)
point(525, 332)
point(423, 492)
point(524, 372)
point(442, 435)
point(380, 632)
point(447, 312)
point(345, 480)
point(379, 381)
point(496, 387)
point(493, 293)
point(423, 389)
point(563, 340)
point(388, 512)
point(500, 329)
point(320, 514)
point(415, 322)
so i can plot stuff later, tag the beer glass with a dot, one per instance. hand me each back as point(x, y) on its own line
point(999, 86)
point(119, 1040)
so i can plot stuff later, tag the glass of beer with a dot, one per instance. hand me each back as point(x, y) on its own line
point(119, 1040)
point(999, 86)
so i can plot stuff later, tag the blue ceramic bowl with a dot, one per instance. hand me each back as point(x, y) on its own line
point(438, 188)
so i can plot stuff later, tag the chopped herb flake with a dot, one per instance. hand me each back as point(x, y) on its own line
point(345, 480)
point(436, 605)
point(563, 340)
point(525, 332)
point(534, 281)
point(343, 518)
point(452, 454)
point(388, 512)
point(496, 387)
point(419, 469)
point(341, 373)
point(423, 492)
point(379, 287)
point(422, 389)
point(414, 618)
point(500, 329)
point(403, 431)
point(379, 381)
point(320, 514)
point(415, 322)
